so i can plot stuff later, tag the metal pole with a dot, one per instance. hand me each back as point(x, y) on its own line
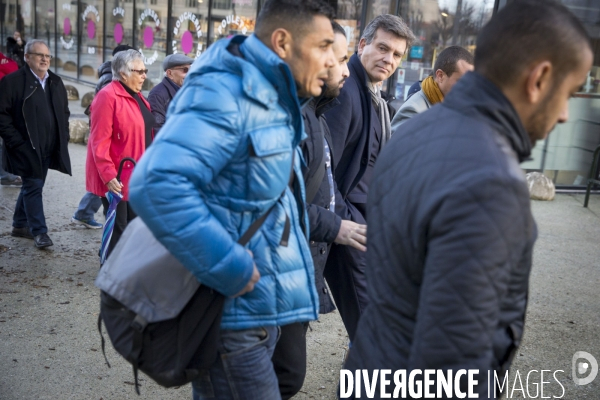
point(169, 47)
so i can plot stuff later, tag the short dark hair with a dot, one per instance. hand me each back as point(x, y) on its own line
point(294, 15)
point(449, 57)
point(525, 32)
point(388, 23)
point(337, 28)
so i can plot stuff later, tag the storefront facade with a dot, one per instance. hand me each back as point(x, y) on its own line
point(82, 36)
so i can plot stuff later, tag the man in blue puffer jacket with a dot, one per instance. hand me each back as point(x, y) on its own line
point(223, 159)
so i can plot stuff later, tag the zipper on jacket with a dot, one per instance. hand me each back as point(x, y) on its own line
point(25, 119)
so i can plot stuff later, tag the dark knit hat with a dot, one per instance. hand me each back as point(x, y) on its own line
point(122, 47)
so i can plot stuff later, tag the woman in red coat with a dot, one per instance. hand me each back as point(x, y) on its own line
point(121, 126)
point(7, 66)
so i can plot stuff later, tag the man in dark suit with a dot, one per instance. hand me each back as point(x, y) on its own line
point(360, 126)
point(34, 123)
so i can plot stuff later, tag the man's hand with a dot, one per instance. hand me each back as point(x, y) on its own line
point(250, 285)
point(352, 234)
point(115, 186)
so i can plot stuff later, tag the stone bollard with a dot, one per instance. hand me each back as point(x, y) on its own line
point(72, 93)
point(540, 186)
point(87, 99)
point(78, 129)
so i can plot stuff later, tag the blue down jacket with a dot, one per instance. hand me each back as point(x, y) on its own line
point(222, 159)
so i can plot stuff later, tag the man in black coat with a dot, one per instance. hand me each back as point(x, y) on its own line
point(289, 358)
point(451, 232)
point(34, 123)
point(176, 67)
point(360, 126)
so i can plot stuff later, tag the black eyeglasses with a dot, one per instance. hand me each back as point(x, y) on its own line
point(140, 71)
point(183, 69)
point(40, 55)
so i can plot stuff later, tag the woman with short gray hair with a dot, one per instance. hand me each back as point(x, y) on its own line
point(121, 125)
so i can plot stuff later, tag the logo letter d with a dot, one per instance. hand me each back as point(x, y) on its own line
point(581, 367)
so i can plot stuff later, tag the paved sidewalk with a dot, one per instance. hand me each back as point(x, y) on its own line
point(50, 348)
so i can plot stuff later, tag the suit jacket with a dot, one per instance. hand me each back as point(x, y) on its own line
point(18, 124)
point(417, 103)
point(353, 125)
point(324, 223)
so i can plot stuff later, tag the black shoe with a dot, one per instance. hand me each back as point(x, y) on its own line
point(42, 240)
point(22, 232)
point(14, 182)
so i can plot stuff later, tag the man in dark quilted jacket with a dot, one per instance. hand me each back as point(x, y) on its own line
point(451, 232)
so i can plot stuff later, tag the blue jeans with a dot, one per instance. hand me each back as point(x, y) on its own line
point(29, 211)
point(244, 370)
point(88, 206)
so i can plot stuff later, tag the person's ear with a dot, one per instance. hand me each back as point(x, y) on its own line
point(439, 76)
point(361, 46)
point(281, 43)
point(538, 81)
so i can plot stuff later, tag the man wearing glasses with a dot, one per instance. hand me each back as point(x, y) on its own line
point(176, 67)
point(34, 123)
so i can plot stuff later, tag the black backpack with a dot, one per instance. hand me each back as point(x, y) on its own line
point(170, 352)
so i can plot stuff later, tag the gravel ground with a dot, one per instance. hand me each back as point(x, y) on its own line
point(50, 348)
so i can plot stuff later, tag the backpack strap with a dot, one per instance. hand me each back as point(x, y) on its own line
point(102, 339)
point(138, 324)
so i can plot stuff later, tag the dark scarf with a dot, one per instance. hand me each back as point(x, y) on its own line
point(149, 120)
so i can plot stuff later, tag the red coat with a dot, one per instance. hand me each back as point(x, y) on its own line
point(116, 131)
point(8, 66)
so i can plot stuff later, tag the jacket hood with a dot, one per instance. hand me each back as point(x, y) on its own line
point(105, 69)
point(266, 78)
point(477, 96)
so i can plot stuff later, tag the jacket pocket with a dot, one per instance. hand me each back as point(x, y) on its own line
point(269, 162)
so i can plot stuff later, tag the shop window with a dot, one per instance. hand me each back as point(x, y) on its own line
point(119, 27)
point(67, 22)
point(151, 39)
point(92, 33)
point(235, 17)
point(189, 24)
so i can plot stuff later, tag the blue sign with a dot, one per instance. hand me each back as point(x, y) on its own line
point(416, 52)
